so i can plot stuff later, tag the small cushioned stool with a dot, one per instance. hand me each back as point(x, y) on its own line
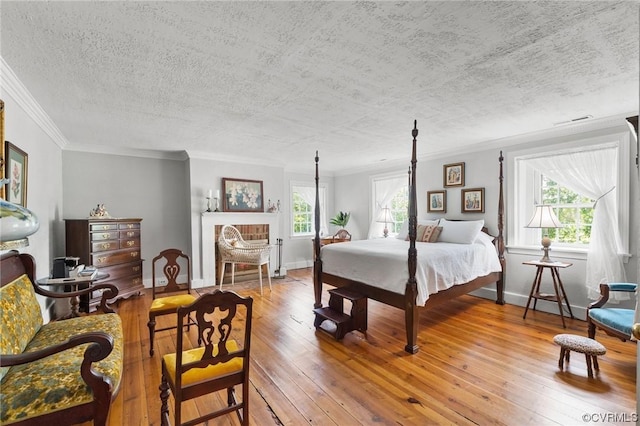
point(589, 347)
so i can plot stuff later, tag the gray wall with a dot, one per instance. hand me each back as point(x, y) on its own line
point(156, 190)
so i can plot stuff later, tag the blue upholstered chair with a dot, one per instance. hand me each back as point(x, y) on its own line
point(615, 322)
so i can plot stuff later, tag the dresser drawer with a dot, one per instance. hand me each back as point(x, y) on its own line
point(114, 258)
point(130, 243)
point(94, 227)
point(131, 233)
point(105, 246)
point(105, 235)
point(123, 270)
point(128, 225)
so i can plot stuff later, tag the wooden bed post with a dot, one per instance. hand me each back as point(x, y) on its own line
point(317, 263)
point(411, 313)
point(500, 238)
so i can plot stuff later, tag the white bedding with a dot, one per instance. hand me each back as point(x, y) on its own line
point(383, 263)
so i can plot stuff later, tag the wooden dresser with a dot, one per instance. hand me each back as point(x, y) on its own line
point(112, 246)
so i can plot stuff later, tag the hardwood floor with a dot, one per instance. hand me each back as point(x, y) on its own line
point(479, 363)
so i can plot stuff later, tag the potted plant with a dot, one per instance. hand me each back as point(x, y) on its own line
point(341, 219)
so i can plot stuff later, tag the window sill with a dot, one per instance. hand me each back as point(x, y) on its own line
point(556, 252)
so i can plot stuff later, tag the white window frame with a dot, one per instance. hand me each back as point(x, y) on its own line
point(322, 190)
point(373, 206)
point(525, 193)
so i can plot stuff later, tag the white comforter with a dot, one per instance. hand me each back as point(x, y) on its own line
point(383, 263)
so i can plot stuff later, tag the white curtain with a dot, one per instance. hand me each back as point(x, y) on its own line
point(593, 173)
point(384, 191)
point(308, 194)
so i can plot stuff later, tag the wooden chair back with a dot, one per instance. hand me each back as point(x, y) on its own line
point(169, 266)
point(223, 322)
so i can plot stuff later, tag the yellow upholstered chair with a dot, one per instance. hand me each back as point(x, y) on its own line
point(234, 249)
point(174, 264)
point(224, 324)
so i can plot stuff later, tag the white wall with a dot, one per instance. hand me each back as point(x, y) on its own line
point(44, 184)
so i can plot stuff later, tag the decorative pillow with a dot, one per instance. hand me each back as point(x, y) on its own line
point(403, 234)
point(460, 232)
point(430, 234)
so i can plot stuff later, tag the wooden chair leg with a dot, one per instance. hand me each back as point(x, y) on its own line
point(152, 328)
point(164, 399)
point(561, 360)
point(595, 362)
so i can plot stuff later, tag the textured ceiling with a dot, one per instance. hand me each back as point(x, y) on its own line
point(276, 81)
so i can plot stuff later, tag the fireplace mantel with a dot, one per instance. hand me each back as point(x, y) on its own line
point(210, 220)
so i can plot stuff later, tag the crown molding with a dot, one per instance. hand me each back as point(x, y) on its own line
point(14, 88)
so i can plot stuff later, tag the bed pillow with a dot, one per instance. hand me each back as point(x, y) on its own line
point(430, 233)
point(403, 234)
point(460, 232)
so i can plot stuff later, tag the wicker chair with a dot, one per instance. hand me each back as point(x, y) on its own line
point(234, 249)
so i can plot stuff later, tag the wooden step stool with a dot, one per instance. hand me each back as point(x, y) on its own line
point(341, 323)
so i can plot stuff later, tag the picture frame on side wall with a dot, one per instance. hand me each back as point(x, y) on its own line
point(437, 201)
point(2, 157)
point(16, 168)
point(453, 174)
point(473, 200)
point(242, 195)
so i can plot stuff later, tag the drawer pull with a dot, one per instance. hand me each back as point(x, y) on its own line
point(136, 269)
point(134, 254)
point(105, 227)
point(129, 225)
point(130, 243)
point(105, 246)
point(105, 236)
point(136, 280)
point(130, 234)
point(102, 259)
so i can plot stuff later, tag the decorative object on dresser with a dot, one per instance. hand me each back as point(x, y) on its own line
point(453, 174)
point(437, 201)
point(242, 195)
point(473, 200)
point(112, 246)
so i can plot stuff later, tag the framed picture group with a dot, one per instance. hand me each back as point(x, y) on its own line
point(453, 175)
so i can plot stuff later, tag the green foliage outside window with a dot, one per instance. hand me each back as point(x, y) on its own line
point(574, 211)
point(302, 216)
point(399, 209)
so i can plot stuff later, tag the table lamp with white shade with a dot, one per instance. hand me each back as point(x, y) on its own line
point(385, 217)
point(544, 217)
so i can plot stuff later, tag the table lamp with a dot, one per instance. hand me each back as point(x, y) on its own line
point(385, 217)
point(544, 217)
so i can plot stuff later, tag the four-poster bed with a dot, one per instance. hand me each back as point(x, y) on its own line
point(407, 299)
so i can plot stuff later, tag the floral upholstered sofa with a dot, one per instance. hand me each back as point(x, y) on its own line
point(61, 373)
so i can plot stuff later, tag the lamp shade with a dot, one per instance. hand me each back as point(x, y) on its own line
point(544, 217)
point(384, 216)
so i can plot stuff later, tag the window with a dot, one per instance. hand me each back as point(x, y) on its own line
point(574, 211)
point(392, 192)
point(399, 209)
point(302, 216)
point(571, 179)
point(303, 199)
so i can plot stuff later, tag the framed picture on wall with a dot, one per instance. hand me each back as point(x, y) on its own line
point(2, 147)
point(437, 201)
point(242, 195)
point(453, 174)
point(16, 171)
point(473, 200)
